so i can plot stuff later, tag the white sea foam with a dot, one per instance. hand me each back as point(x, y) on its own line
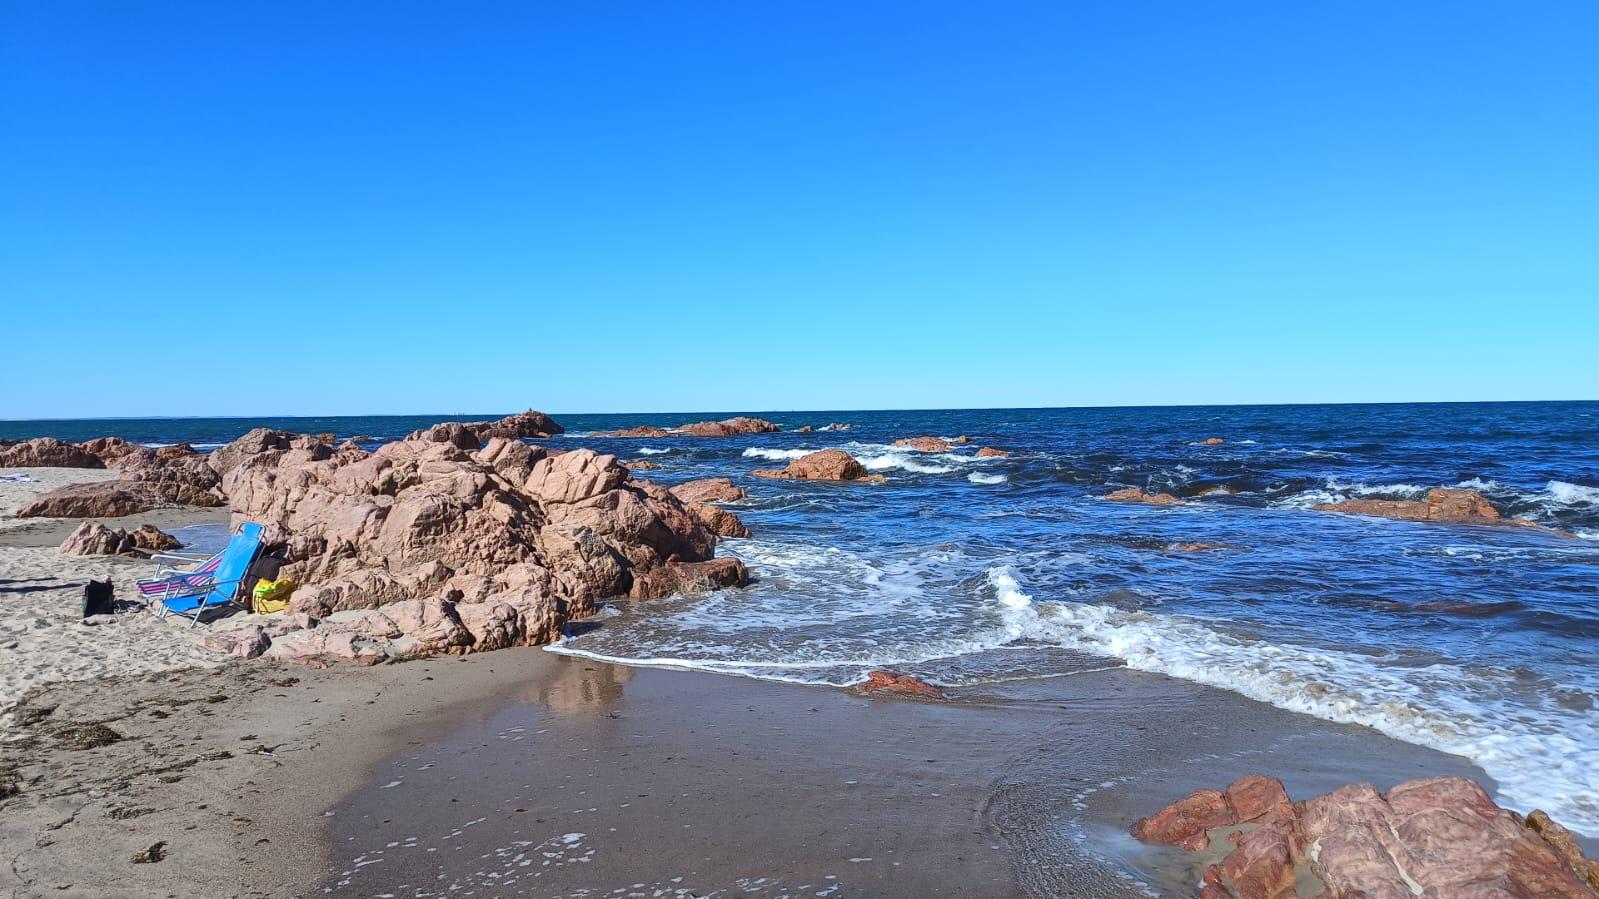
point(1567, 494)
point(652, 451)
point(763, 452)
point(985, 477)
point(1542, 756)
point(1336, 491)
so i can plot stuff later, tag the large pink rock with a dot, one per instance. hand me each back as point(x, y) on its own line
point(470, 435)
point(720, 521)
point(709, 490)
point(322, 646)
point(640, 431)
point(108, 449)
point(729, 427)
point(824, 465)
point(47, 452)
point(422, 530)
point(184, 478)
point(931, 444)
point(95, 539)
point(1442, 838)
point(103, 499)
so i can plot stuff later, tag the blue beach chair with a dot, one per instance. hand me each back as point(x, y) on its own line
point(190, 597)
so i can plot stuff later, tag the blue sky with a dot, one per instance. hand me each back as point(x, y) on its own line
point(316, 208)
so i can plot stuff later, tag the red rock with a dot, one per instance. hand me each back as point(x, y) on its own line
point(94, 539)
point(729, 427)
point(517, 427)
point(419, 529)
point(720, 521)
point(107, 449)
point(1442, 504)
point(151, 538)
point(1438, 837)
point(895, 682)
point(104, 499)
point(1135, 495)
point(242, 643)
point(925, 444)
point(640, 431)
point(47, 452)
point(258, 440)
point(825, 465)
point(1213, 441)
point(1187, 821)
point(177, 474)
point(988, 452)
point(709, 490)
point(641, 465)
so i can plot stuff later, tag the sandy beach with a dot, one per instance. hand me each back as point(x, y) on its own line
point(523, 773)
point(43, 638)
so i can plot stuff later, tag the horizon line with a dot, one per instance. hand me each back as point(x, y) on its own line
point(810, 411)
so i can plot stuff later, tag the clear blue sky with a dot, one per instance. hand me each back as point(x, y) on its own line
point(406, 207)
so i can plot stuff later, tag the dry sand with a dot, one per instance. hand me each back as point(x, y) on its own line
point(43, 638)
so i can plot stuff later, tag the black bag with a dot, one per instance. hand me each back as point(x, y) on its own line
point(98, 598)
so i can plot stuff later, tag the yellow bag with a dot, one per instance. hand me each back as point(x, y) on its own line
point(271, 596)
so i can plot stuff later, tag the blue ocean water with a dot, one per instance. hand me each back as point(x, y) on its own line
point(1478, 641)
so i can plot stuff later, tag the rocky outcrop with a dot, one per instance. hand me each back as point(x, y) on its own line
point(1445, 505)
point(836, 426)
point(258, 440)
point(1135, 495)
point(895, 682)
point(718, 520)
point(640, 431)
point(824, 465)
point(641, 465)
point(148, 479)
point(471, 435)
point(95, 539)
point(729, 427)
point(1438, 837)
point(804, 429)
point(104, 499)
point(1212, 441)
point(988, 452)
point(108, 449)
point(709, 490)
point(48, 452)
point(421, 529)
point(931, 444)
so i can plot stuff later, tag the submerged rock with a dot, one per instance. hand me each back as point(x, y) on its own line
point(1445, 505)
point(1135, 495)
point(931, 444)
point(1213, 441)
point(988, 452)
point(641, 465)
point(824, 465)
point(894, 682)
point(1438, 837)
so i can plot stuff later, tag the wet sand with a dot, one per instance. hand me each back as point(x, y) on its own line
point(524, 773)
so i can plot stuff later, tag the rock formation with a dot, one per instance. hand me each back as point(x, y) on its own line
point(470, 435)
point(641, 465)
point(640, 431)
point(1213, 441)
point(729, 427)
point(895, 682)
point(1135, 495)
point(147, 479)
point(48, 452)
point(1438, 837)
point(824, 465)
point(425, 547)
point(988, 452)
point(95, 539)
point(709, 490)
point(931, 444)
point(1445, 505)
point(718, 520)
point(836, 426)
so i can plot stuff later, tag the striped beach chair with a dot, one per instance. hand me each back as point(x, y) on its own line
point(192, 594)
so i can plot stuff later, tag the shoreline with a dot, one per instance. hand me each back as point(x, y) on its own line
point(719, 780)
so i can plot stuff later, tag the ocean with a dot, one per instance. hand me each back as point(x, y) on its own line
point(967, 571)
